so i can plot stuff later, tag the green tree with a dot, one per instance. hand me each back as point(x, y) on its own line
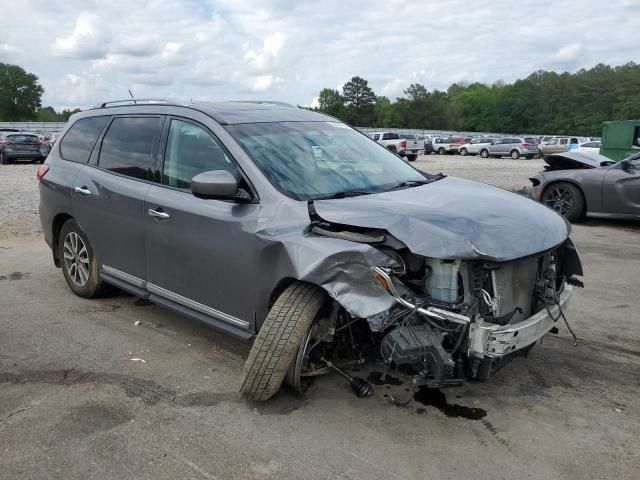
point(359, 101)
point(20, 93)
point(331, 102)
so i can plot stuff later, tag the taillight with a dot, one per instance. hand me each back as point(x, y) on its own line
point(42, 171)
point(5, 142)
point(525, 145)
point(403, 144)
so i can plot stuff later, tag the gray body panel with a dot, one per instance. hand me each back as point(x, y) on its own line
point(112, 216)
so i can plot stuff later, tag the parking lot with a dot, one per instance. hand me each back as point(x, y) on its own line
point(119, 388)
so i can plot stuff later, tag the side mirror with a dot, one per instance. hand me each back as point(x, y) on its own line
point(214, 184)
point(626, 165)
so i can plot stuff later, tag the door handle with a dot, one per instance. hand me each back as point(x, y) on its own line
point(82, 190)
point(158, 214)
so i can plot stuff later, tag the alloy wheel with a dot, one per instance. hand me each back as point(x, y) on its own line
point(560, 199)
point(76, 259)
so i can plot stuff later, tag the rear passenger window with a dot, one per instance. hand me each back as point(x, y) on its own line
point(192, 150)
point(79, 141)
point(128, 146)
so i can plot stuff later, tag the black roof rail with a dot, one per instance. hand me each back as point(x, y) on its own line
point(136, 101)
point(264, 102)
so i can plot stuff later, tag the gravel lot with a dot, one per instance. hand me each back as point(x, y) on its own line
point(77, 401)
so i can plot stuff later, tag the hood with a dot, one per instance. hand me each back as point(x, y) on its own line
point(575, 160)
point(454, 218)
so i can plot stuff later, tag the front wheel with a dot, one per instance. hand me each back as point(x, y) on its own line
point(484, 153)
point(284, 332)
point(566, 199)
point(463, 152)
point(79, 264)
point(441, 151)
point(515, 154)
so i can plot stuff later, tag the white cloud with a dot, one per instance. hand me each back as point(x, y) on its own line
point(90, 39)
point(394, 88)
point(568, 53)
point(288, 51)
point(265, 82)
point(171, 49)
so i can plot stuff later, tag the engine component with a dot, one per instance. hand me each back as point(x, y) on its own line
point(360, 386)
point(411, 344)
point(441, 279)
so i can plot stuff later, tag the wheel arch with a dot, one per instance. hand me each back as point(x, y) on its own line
point(56, 226)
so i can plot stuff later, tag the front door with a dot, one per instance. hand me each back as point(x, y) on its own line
point(200, 252)
point(621, 189)
point(110, 195)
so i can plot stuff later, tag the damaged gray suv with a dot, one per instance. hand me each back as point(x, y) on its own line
point(290, 229)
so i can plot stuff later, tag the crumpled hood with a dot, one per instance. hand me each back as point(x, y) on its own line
point(572, 160)
point(454, 218)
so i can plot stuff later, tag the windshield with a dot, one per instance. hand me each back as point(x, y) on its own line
point(308, 160)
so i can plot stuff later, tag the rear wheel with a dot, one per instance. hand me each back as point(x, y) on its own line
point(515, 154)
point(412, 157)
point(463, 152)
point(79, 264)
point(484, 153)
point(566, 199)
point(285, 331)
point(3, 159)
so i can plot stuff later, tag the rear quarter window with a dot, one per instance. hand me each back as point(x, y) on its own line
point(78, 143)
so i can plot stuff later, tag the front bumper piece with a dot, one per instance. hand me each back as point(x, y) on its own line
point(487, 339)
point(491, 340)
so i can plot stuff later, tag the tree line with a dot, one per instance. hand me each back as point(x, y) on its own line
point(544, 102)
point(21, 98)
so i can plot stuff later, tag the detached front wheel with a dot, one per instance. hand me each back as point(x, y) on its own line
point(284, 332)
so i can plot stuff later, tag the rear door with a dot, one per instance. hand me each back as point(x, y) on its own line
point(497, 148)
point(200, 252)
point(109, 195)
point(621, 189)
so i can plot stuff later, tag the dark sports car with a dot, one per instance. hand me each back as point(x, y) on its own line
point(576, 184)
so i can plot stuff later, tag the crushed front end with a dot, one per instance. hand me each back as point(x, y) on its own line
point(455, 320)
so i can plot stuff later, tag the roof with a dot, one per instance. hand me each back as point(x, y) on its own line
point(256, 112)
point(230, 112)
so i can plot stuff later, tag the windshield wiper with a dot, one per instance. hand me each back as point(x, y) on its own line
point(407, 184)
point(345, 194)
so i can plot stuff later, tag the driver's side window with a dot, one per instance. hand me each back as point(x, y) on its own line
point(192, 150)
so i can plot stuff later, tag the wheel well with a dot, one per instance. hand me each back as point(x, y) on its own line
point(555, 182)
point(58, 222)
point(279, 288)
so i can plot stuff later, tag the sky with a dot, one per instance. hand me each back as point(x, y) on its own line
point(86, 51)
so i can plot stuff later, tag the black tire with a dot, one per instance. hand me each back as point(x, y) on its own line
point(279, 339)
point(3, 159)
point(566, 199)
point(514, 154)
point(441, 151)
point(412, 158)
point(484, 153)
point(463, 152)
point(92, 286)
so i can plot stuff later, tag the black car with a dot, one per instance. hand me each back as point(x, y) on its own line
point(22, 146)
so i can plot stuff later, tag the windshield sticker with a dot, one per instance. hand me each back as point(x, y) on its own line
point(338, 125)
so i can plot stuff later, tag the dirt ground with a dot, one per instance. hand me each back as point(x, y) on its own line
point(117, 388)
